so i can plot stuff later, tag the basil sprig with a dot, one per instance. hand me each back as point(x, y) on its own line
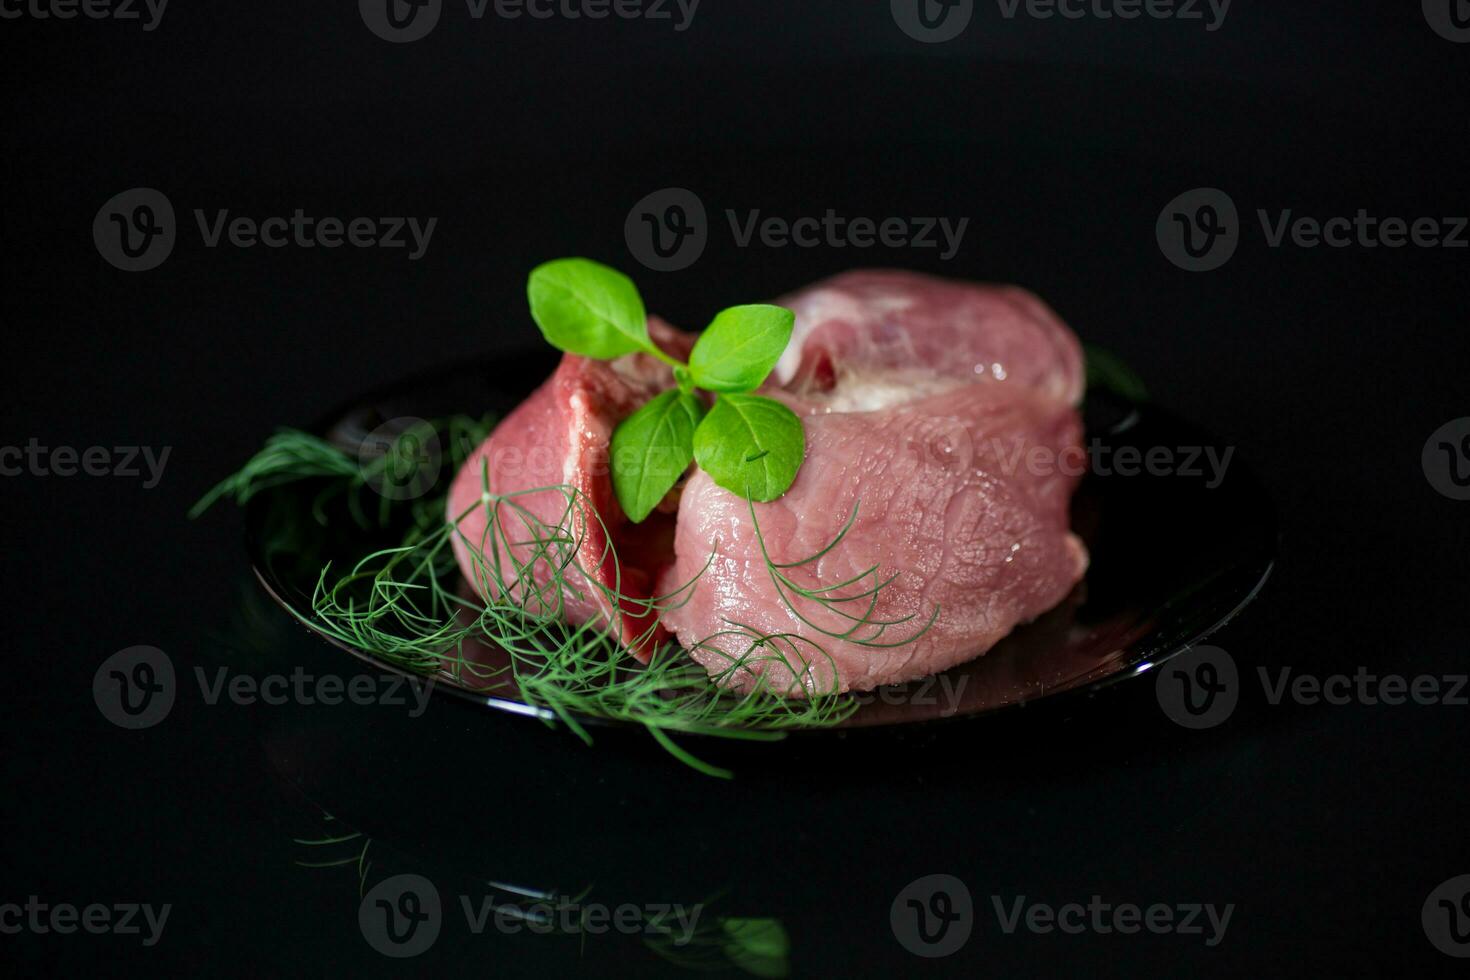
point(748, 444)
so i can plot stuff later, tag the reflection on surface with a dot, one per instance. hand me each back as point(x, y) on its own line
point(512, 816)
point(694, 937)
point(1172, 557)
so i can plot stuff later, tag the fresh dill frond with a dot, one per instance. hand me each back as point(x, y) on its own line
point(507, 632)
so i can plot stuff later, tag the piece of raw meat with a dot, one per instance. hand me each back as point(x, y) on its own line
point(558, 439)
point(886, 329)
point(931, 408)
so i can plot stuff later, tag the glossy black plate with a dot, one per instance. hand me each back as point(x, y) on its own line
point(1177, 549)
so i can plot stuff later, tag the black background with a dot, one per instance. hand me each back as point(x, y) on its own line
point(1329, 368)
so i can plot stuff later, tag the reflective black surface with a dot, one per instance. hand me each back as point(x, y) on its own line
point(1176, 550)
point(1327, 826)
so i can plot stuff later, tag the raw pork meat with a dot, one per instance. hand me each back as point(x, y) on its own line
point(931, 408)
point(945, 414)
point(558, 438)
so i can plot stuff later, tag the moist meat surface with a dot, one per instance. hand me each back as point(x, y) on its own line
point(931, 409)
point(558, 439)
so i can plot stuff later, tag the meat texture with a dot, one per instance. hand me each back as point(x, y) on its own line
point(939, 416)
point(555, 539)
point(943, 415)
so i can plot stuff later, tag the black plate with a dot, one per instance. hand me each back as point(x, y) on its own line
point(1173, 556)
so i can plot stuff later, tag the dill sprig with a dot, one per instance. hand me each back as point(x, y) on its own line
point(409, 606)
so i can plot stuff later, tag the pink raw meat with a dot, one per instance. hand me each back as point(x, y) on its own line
point(874, 324)
point(923, 401)
point(559, 437)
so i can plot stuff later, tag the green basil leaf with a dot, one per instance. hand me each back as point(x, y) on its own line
point(584, 307)
point(750, 445)
point(651, 449)
point(740, 347)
